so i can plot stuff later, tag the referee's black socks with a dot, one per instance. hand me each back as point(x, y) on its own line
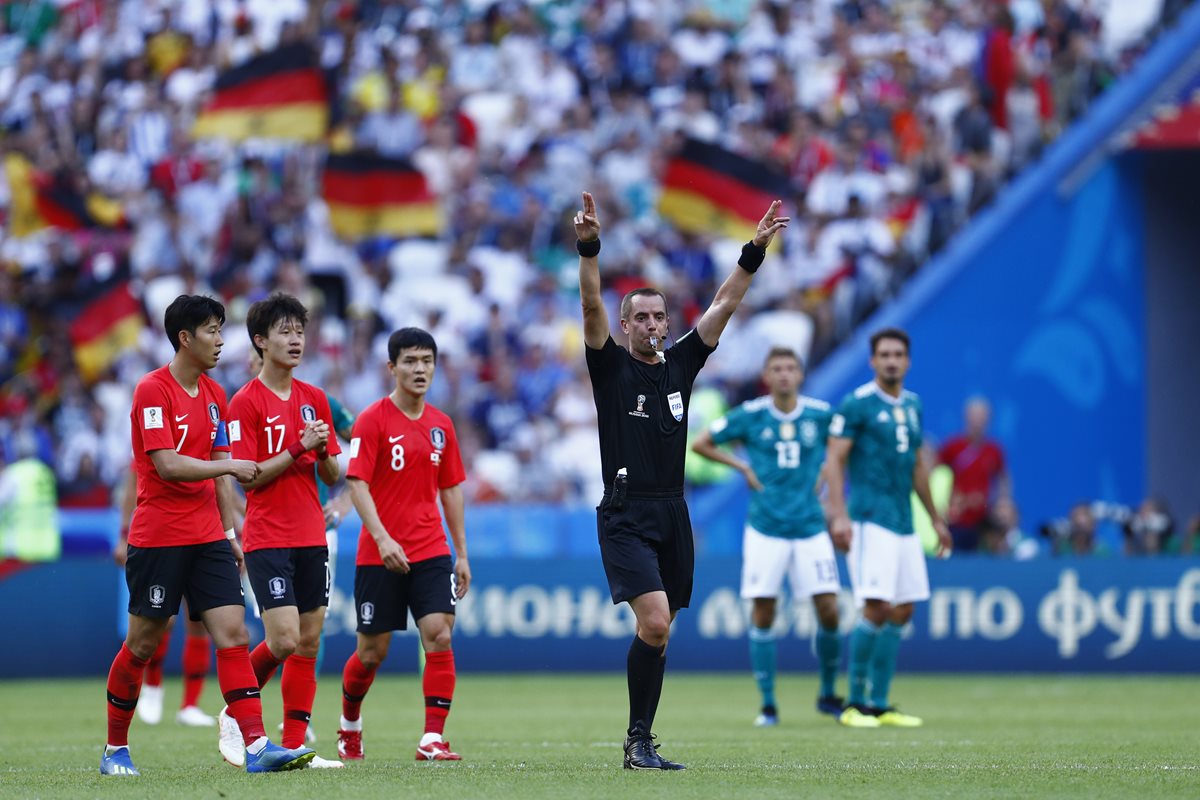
point(645, 668)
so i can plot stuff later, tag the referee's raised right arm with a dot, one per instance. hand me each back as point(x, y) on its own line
point(595, 317)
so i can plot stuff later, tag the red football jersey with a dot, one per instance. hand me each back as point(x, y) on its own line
point(287, 511)
point(165, 416)
point(405, 462)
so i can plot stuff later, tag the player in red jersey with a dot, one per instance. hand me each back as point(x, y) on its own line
point(404, 457)
point(283, 424)
point(179, 545)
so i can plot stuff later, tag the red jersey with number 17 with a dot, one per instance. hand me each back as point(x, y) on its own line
point(405, 462)
point(287, 511)
point(166, 417)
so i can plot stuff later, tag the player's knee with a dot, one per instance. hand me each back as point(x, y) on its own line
point(283, 645)
point(827, 610)
point(371, 657)
point(655, 629)
point(142, 646)
point(438, 640)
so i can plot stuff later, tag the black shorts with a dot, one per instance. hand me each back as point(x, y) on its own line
point(383, 598)
point(289, 576)
point(206, 574)
point(647, 547)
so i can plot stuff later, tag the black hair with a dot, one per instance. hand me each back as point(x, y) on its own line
point(778, 351)
point(410, 338)
point(265, 314)
point(890, 333)
point(187, 313)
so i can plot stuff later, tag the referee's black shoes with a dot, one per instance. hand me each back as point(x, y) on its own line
point(642, 753)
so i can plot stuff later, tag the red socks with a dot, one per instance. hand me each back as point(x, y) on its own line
point(197, 655)
point(299, 687)
point(236, 677)
point(264, 663)
point(124, 686)
point(438, 684)
point(356, 680)
point(154, 667)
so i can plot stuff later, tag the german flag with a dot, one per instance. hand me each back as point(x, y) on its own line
point(371, 196)
point(105, 328)
point(40, 200)
point(707, 189)
point(277, 95)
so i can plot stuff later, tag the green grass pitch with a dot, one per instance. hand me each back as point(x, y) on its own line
point(543, 736)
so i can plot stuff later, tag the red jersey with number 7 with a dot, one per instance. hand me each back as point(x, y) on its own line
point(405, 462)
point(166, 417)
point(287, 511)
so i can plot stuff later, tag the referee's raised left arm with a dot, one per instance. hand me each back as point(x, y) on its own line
point(595, 317)
point(729, 296)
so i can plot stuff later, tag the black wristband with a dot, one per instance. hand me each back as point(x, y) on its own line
point(588, 249)
point(752, 257)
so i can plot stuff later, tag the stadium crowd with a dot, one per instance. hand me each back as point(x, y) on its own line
point(894, 121)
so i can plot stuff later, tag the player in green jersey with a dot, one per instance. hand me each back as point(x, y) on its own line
point(877, 433)
point(783, 438)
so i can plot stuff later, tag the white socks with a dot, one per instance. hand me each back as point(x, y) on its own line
point(255, 747)
point(351, 725)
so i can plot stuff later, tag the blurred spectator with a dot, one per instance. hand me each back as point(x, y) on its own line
point(1149, 529)
point(1076, 535)
point(1001, 535)
point(980, 477)
point(28, 506)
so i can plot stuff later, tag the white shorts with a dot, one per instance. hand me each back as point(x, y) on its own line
point(809, 564)
point(884, 565)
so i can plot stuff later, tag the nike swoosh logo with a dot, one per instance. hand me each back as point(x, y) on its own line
point(272, 419)
point(253, 693)
point(442, 703)
point(181, 418)
point(394, 439)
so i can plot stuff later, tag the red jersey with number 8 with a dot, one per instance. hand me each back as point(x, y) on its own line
point(405, 462)
point(166, 417)
point(287, 511)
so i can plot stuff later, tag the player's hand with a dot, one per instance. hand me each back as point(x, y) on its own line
point(462, 577)
point(840, 531)
point(751, 479)
point(238, 555)
point(314, 435)
point(121, 550)
point(333, 517)
point(243, 471)
point(769, 225)
point(945, 540)
point(392, 555)
point(587, 224)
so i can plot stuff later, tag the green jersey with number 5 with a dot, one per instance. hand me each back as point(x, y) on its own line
point(887, 437)
point(785, 451)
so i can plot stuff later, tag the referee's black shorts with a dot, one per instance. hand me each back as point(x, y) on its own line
point(647, 547)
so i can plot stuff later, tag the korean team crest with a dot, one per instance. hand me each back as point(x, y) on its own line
point(437, 438)
point(308, 413)
point(787, 431)
point(277, 587)
point(157, 595)
point(366, 612)
point(214, 413)
point(808, 432)
point(675, 401)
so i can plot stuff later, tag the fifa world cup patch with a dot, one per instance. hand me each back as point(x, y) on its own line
point(152, 417)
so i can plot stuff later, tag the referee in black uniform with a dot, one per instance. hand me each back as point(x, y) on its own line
point(642, 394)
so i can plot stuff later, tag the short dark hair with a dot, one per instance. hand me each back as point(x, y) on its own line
point(779, 351)
point(890, 333)
point(265, 314)
point(645, 291)
point(187, 313)
point(409, 339)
